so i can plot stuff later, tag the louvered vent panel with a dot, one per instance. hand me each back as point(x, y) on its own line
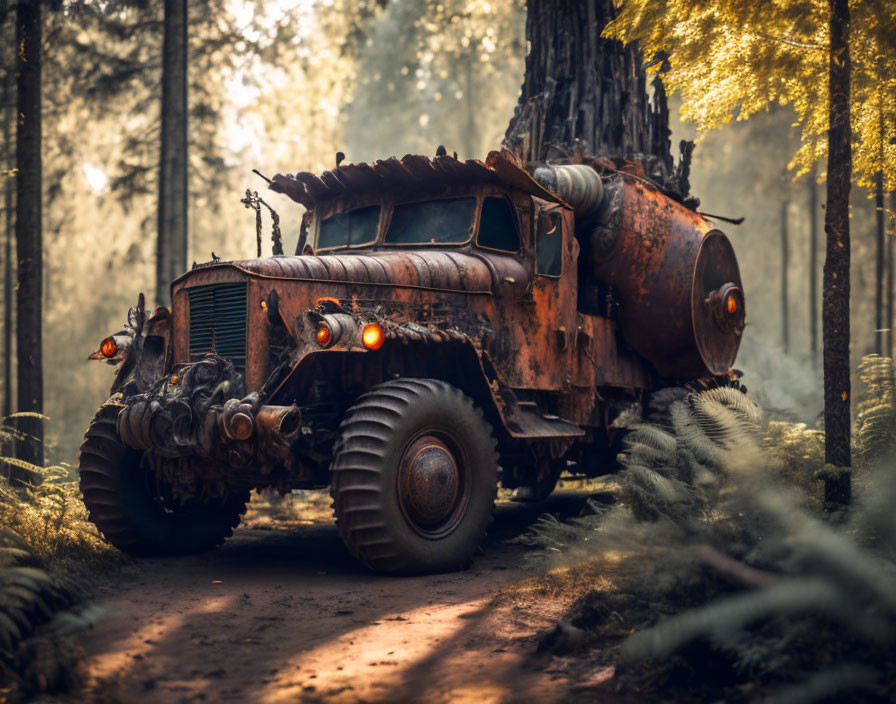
point(218, 322)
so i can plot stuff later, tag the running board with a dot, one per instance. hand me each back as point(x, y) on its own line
point(525, 423)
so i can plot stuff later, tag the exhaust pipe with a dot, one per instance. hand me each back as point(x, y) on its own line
point(279, 423)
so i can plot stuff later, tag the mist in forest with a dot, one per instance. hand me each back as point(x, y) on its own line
point(281, 87)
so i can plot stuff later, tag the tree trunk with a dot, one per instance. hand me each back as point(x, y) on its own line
point(171, 253)
point(889, 348)
point(835, 308)
point(880, 327)
point(785, 267)
point(583, 90)
point(30, 392)
point(7, 115)
point(471, 135)
point(813, 267)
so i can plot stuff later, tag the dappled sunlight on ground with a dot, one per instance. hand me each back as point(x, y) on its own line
point(283, 613)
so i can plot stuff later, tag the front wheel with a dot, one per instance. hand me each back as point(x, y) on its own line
point(127, 503)
point(414, 477)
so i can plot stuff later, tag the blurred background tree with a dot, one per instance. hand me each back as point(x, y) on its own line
point(433, 73)
point(171, 236)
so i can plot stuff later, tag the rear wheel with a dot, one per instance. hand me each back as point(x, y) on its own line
point(414, 477)
point(129, 506)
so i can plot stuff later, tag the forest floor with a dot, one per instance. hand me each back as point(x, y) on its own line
point(283, 613)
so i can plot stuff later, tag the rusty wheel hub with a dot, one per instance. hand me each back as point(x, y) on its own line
point(429, 482)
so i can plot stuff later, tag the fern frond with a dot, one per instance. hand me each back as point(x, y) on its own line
point(734, 400)
point(727, 616)
point(876, 414)
point(9, 433)
point(878, 374)
point(26, 414)
point(22, 464)
point(818, 549)
point(653, 437)
point(660, 488)
point(640, 453)
point(692, 436)
point(660, 401)
point(629, 419)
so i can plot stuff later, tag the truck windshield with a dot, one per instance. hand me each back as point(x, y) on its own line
point(447, 221)
point(353, 228)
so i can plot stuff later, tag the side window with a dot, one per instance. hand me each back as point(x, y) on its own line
point(351, 228)
point(497, 226)
point(549, 245)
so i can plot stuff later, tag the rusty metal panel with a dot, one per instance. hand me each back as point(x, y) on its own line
point(356, 177)
point(258, 333)
point(717, 332)
point(446, 270)
point(599, 360)
point(652, 266)
point(531, 347)
point(420, 172)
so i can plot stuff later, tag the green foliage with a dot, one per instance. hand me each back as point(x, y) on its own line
point(734, 59)
point(676, 456)
point(29, 597)
point(796, 453)
point(822, 623)
point(49, 555)
point(50, 517)
point(876, 416)
point(739, 590)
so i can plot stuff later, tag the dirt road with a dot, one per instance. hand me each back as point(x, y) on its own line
point(282, 613)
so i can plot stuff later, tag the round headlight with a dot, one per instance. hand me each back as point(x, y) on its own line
point(373, 336)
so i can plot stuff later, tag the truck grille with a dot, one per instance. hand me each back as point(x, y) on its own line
point(218, 322)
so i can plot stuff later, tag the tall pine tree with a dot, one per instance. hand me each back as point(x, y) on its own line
point(171, 254)
point(29, 241)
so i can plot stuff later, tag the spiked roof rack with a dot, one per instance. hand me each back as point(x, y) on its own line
point(385, 175)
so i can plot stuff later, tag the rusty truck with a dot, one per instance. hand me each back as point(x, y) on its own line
point(444, 327)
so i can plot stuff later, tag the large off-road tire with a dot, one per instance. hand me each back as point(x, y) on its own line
point(125, 500)
point(414, 477)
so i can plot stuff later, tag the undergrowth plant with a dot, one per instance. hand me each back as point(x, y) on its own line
point(49, 555)
point(876, 417)
point(676, 454)
point(735, 584)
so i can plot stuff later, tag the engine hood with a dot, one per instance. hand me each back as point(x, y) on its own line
point(467, 272)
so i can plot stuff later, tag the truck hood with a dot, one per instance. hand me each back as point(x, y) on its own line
point(469, 272)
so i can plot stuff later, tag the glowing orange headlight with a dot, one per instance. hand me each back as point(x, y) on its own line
point(324, 336)
point(373, 336)
point(731, 304)
point(108, 348)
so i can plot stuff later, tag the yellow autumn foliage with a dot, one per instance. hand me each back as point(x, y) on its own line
point(730, 59)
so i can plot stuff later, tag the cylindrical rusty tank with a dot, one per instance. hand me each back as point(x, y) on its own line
point(681, 304)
